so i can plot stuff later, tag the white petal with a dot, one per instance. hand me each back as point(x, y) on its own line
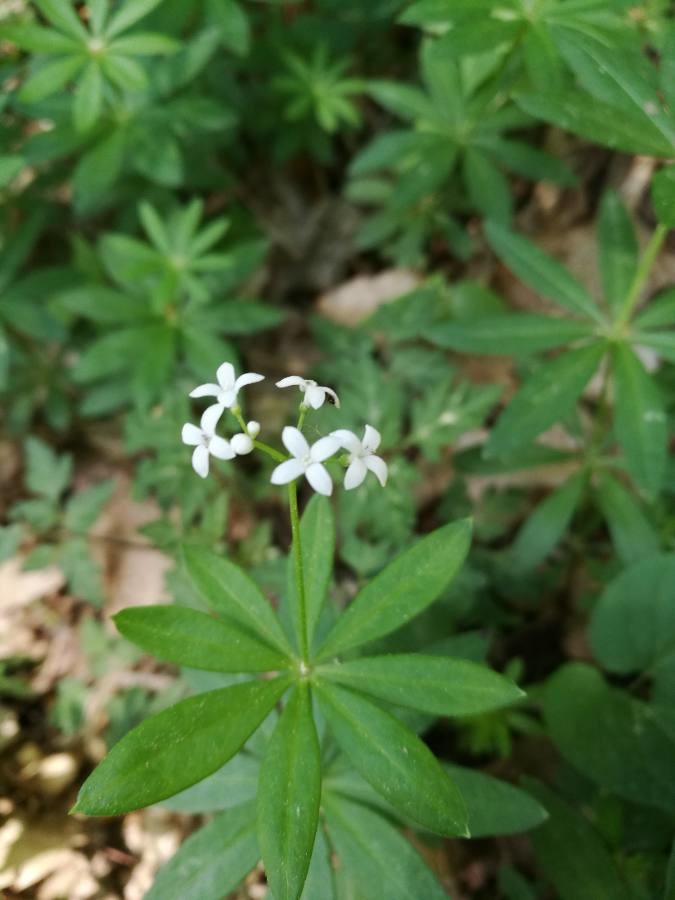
point(241, 444)
point(225, 376)
point(210, 418)
point(191, 435)
point(315, 395)
point(206, 390)
point(200, 461)
point(379, 467)
point(291, 381)
point(294, 441)
point(323, 448)
point(371, 438)
point(287, 471)
point(220, 448)
point(227, 399)
point(248, 378)
point(253, 428)
point(318, 477)
point(336, 399)
point(348, 440)
point(355, 474)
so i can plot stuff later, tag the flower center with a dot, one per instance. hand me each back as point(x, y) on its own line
point(227, 397)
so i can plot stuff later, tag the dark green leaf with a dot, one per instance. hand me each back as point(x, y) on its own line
point(235, 783)
point(663, 196)
point(618, 249)
point(632, 535)
point(495, 807)
point(510, 333)
point(546, 526)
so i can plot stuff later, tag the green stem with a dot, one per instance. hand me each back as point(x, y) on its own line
point(641, 275)
point(270, 451)
point(301, 417)
point(299, 571)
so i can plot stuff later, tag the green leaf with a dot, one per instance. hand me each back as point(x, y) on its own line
point(640, 420)
point(618, 249)
point(487, 187)
point(197, 640)
point(288, 797)
point(126, 73)
point(212, 861)
point(37, 39)
point(632, 535)
point(633, 623)
point(230, 591)
point(495, 807)
point(507, 334)
point(393, 760)
point(177, 747)
point(664, 343)
point(317, 535)
point(403, 100)
point(235, 31)
point(83, 508)
point(46, 473)
point(663, 196)
point(403, 590)
point(62, 14)
point(50, 78)
point(546, 397)
point(545, 527)
point(659, 311)
point(320, 878)
point(128, 14)
point(144, 44)
point(611, 738)
point(433, 684)
point(236, 782)
point(379, 859)
point(88, 98)
point(572, 854)
point(542, 273)
point(98, 169)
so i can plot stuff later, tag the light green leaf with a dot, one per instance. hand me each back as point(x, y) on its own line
point(232, 21)
point(660, 310)
point(144, 44)
point(663, 343)
point(393, 760)
point(38, 40)
point(62, 14)
point(50, 78)
point(98, 170)
point(177, 747)
point(545, 527)
point(212, 861)
point(84, 507)
point(434, 684)
point(130, 12)
point(572, 854)
point(640, 420)
point(126, 73)
point(404, 100)
point(633, 623)
point(230, 591)
point(507, 334)
point(154, 227)
point(494, 807)
point(88, 98)
point(236, 782)
point(632, 535)
point(46, 473)
point(487, 187)
point(546, 397)
point(663, 196)
point(542, 273)
point(288, 797)
point(403, 590)
point(197, 640)
point(618, 249)
point(378, 858)
point(317, 535)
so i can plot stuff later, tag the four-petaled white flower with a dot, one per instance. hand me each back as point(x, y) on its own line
point(315, 394)
point(227, 388)
point(361, 456)
point(306, 460)
point(206, 442)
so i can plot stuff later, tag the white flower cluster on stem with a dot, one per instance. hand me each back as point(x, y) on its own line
point(303, 459)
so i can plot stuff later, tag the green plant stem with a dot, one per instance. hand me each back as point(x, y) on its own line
point(301, 417)
point(641, 275)
point(299, 571)
point(276, 455)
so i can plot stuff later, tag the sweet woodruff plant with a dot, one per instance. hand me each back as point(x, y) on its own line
point(331, 692)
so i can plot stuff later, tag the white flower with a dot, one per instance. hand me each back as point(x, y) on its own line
point(315, 394)
point(362, 456)
point(306, 460)
point(227, 388)
point(206, 442)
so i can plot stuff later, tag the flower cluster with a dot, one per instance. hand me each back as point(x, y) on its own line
point(359, 455)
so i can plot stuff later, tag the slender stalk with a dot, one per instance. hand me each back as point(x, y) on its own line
point(641, 275)
point(299, 571)
point(270, 451)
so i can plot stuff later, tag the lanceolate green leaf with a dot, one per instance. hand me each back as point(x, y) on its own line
point(618, 249)
point(393, 760)
point(663, 343)
point(50, 78)
point(288, 797)
point(544, 274)
point(547, 397)
point(232, 593)
point(434, 684)
point(640, 420)
point(317, 535)
point(380, 859)
point(192, 638)
point(510, 333)
point(88, 97)
point(177, 747)
point(212, 861)
point(493, 806)
point(406, 587)
point(632, 535)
